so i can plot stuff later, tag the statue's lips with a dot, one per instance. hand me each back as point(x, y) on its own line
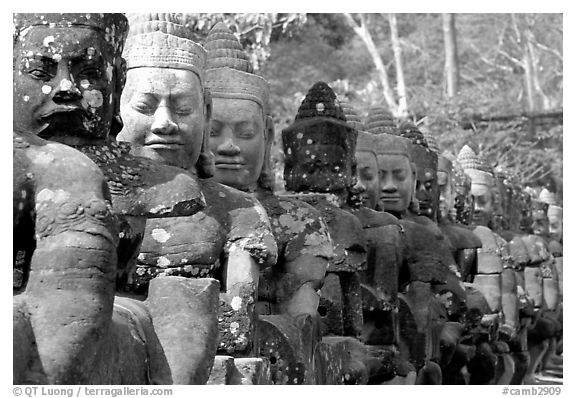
point(162, 144)
point(390, 198)
point(229, 164)
point(61, 110)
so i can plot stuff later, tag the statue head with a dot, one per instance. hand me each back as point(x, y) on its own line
point(367, 188)
point(241, 132)
point(426, 162)
point(500, 200)
point(445, 187)
point(68, 75)
point(511, 198)
point(481, 187)
point(555, 222)
point(525, 205)
point(463, 199)
point(165, 107)
point(319, 146)
point(397, 173)
point(540, 218)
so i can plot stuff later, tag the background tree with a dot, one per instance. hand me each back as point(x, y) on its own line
point(509, 67)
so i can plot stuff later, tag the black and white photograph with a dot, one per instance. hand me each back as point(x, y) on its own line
point(272, 199)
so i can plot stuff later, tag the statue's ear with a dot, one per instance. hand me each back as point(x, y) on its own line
point(120, 81)
point(207, 108)
point(266, 179)
point(205, 165)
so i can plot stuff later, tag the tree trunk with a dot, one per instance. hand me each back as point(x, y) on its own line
point(451, 54)
point(362, 31)
point(400, 84)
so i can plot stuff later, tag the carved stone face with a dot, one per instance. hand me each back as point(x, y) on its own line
point(555, 226)
point(164, 115)
point(483, 209)
point(540, 223)
point(446, 188)
point(464, 204)
point(318, 160)
point(237, 139)
point(427, 182)
point(397, 180)
point(64, 84)
point(499, 200)
point(367, 167)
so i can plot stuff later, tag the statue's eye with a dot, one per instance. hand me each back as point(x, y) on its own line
point(90, 72)
point(40, 74)
point(143, 107)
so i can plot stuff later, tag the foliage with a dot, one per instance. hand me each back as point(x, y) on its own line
point(492, 80)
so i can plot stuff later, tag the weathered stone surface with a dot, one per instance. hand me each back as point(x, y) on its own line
point(288, 347)
point(489, 256)
point(237, 322)
point(251, 371)
point(533, 282)
point(425, 262)
point(222, 370)
point(27, 368)
point(491, 287)
point(184, 312)
point(330, 307)
point(340, 360)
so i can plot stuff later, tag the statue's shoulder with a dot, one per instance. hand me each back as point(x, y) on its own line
point(143, 187)
point(371, 218)
point(460, 237)
point(298, 227)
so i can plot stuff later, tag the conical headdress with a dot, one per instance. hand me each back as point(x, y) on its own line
point(229, 73)
point(554, 211)
point(161, 41)
point(365, 141)
point(547, 197)
point(350, 114)
point(474, 167)
point(432, 143)
point(114, 27)
point(410, 131)
point(380, 121)
point(320, 107)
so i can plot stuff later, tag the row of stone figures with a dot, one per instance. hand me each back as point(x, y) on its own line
point(149, 247)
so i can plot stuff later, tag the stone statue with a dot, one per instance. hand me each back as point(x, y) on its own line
point(542, 283)
point(81, 213)
point(496, 276)
point(380, 281)
point(422, 316)
point(241, 139)
point(320, 170)
point(167, 111)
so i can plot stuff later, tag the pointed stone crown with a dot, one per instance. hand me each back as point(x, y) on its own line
point(380, 121)
point(320, 102)
point(160, 40)
point(365, 141)
point(475, 167)
point(388, 144)
point(229, 72)
point(547, 197)
point(114, 27)
point(352, 117)
point(410, 131)
point(554, 210)
point(320, 111)
point(460, 178)
point(432, 143)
